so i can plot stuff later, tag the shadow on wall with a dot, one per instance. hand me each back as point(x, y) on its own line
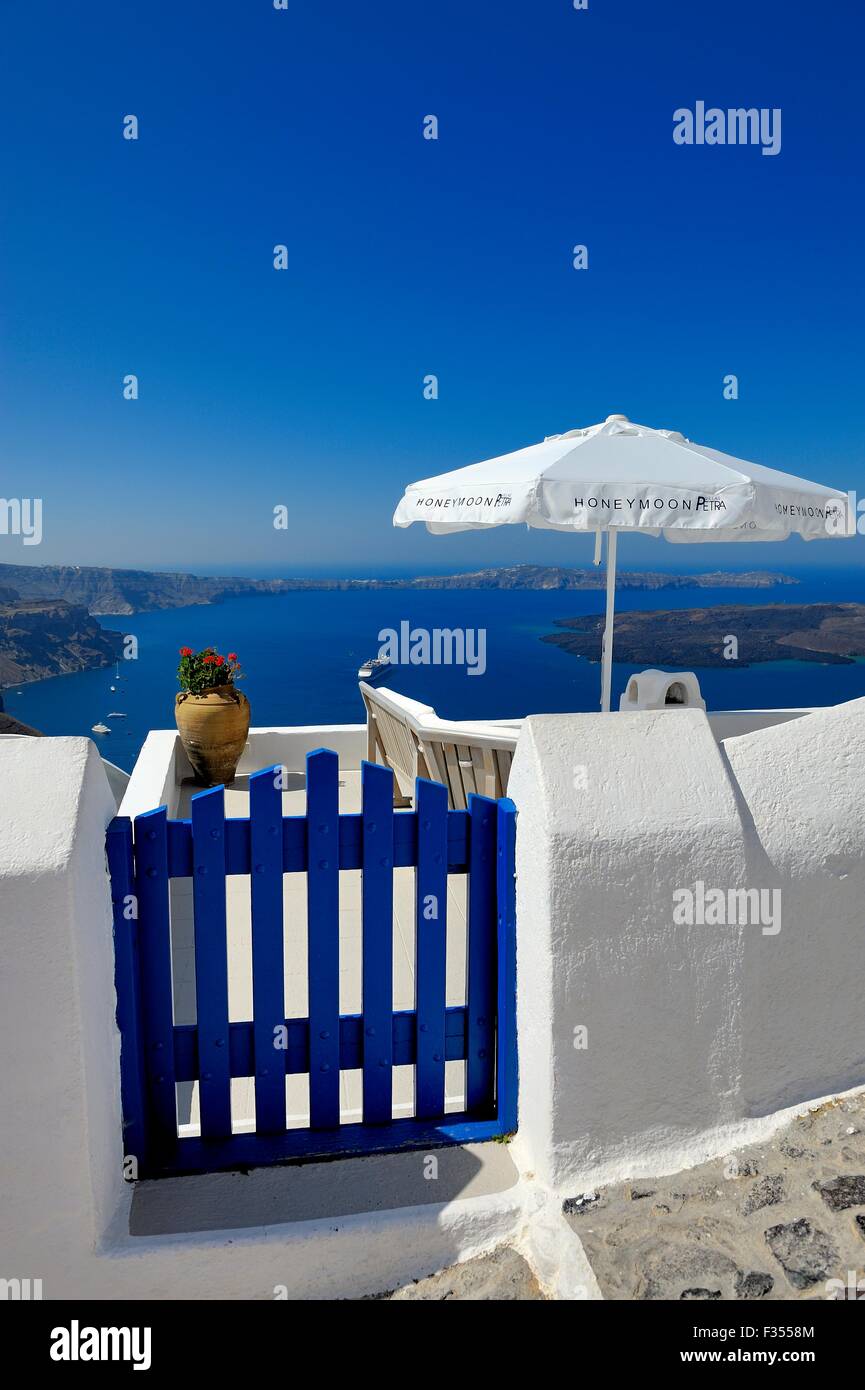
point(316, 1191)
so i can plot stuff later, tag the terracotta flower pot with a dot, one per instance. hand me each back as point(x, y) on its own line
point(213, 729)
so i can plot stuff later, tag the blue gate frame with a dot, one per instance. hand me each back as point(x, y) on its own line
point(156, 1053)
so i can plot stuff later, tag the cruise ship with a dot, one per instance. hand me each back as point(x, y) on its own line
point(372, 669)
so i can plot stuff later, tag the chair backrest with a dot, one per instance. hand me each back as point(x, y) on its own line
point(390, 737)
point(410, 738)
point(467, 760)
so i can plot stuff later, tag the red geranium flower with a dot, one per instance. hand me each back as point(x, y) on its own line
point(203, 669)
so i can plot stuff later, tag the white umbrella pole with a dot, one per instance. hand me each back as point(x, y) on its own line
point(607, 648)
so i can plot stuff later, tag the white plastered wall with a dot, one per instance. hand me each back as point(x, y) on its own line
point(59, 1081)
point(695, 1034)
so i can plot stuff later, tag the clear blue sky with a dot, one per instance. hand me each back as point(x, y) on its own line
point(410, 257)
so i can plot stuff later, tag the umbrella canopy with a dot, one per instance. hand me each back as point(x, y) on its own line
point(622, 476)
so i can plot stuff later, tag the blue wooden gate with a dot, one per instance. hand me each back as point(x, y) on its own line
point(157, 1053)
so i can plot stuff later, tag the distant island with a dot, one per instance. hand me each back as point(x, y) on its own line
point(832, 633)
point(40, 638)
point(104, 591)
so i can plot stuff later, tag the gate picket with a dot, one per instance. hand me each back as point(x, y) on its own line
point(268, 969)
point(211, 961)
point(481, 954)
point(431, 895)
point(322, 887)
point(151, 891)
point(377, 968)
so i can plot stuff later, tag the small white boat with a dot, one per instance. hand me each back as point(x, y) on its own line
point(372, 669)
point(116, 714)
point(101, 729)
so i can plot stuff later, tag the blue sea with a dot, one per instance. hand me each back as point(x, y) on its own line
point(301, 652)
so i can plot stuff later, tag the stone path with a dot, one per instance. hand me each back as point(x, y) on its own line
point(772, 1221)
point(502, 1275)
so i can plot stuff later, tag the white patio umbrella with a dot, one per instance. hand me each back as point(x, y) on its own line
point(619, 476)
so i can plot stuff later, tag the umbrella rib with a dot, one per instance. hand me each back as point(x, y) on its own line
point(697, 453)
